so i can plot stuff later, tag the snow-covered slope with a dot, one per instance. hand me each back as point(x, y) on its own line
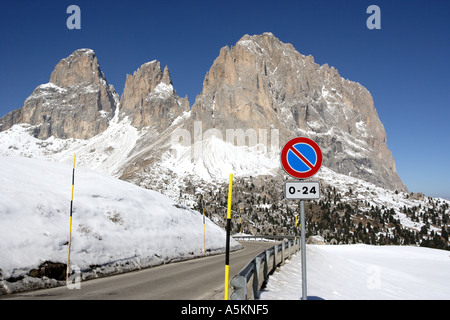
point(213, 159)
point(361, 272)
point(106, 152)
point(115, 223)
point(354, 189)
point(205, 163)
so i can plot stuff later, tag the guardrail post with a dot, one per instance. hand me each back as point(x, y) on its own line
point(266, 265)
point(275, 257)
point(289, 249)
point(239, 284)
point(256, 277)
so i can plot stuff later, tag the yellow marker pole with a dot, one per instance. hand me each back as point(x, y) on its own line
point(227, 250)
point(295, 228)
point(70, 223)
point(240, 219)
point(204, 241)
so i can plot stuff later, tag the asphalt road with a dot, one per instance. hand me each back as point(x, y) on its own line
point(201, 278)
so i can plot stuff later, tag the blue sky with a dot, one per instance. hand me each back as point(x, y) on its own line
point(405, 65)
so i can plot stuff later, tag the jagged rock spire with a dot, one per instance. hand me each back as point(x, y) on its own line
point(149, 98)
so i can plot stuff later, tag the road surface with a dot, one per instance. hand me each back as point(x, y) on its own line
point(201, 278)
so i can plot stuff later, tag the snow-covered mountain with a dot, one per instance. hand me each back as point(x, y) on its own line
point(260, 93)
point(262, 84)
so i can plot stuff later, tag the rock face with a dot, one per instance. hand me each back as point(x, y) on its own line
point(260, 83)
point(263, 83)
point(76, 103)
point(153, 106)
point(149, 98)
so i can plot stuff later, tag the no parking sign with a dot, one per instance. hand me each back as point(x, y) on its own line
point(301, 157)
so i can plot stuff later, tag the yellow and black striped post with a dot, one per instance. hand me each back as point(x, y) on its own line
point(227, 248)
point(204, 240)
point(70, 221)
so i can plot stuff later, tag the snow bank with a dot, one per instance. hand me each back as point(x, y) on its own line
point(114, 222)
point(360, 272)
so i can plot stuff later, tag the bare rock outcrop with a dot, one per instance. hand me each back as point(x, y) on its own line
point(76, 103)
point(149, 98)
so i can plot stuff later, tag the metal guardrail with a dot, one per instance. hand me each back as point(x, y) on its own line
point(262, 237)
point(250, 279)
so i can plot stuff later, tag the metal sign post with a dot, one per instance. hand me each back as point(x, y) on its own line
point(301, 190)
point(303, 248)
point(302, 158)
point(204, 236)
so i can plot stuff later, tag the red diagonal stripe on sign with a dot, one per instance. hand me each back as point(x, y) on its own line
point(298, 154)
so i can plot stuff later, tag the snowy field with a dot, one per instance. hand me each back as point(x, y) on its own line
point(363, 272)
point(116, 225)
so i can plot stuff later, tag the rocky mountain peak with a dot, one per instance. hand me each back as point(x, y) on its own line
point(263, 83)
point(149, 98)
point(76, 103)
point(79, 67)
